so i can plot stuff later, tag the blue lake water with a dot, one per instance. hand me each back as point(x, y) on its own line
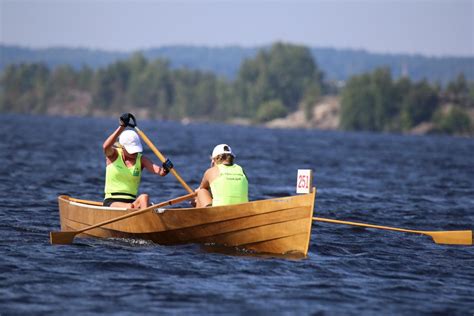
point(424, 183)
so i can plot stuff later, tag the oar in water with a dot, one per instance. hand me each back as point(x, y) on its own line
point(67, 237)
point(157, 153)
point(453, 237)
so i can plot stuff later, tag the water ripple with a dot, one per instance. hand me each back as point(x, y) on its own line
point(424, 183)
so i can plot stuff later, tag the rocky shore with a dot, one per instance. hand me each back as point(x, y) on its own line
point(325, 115)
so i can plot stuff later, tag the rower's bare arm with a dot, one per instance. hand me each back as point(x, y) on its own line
point(151, 167)
point(205, 184)
point(108, 148)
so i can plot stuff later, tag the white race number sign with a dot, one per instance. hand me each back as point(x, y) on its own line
point(304, 181)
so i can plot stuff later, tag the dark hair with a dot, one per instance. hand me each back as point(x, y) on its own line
point(227, 159)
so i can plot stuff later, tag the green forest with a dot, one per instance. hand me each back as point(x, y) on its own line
point(376, 102)
point(337, 64)
point(276, 81)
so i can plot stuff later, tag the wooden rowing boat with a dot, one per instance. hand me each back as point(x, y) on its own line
point(276, 226)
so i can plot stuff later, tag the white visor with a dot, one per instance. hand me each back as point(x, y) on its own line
point(130, 140)
point(222, 149)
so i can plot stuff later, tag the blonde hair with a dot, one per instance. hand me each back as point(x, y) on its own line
point(227, 159)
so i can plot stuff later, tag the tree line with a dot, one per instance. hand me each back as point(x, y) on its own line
point(268, 86)
point(278, 80)
point(338, 64)
point(377, 102)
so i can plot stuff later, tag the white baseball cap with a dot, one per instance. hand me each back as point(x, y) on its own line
point(130, 140)
point(222, 149)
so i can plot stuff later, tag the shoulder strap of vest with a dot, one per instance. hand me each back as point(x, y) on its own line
point(119, 155)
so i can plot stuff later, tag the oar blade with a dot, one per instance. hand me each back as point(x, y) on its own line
point(61, 238)
point(454, 237)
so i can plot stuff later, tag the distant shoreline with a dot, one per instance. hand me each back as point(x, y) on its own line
point(292, 121)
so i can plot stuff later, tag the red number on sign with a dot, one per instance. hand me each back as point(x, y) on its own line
point(303, 181)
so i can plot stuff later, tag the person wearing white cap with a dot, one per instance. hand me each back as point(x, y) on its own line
point(225, 182)
point(124, 167)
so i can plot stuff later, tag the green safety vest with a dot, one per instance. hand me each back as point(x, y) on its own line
point(121, 182)
point(230, 187)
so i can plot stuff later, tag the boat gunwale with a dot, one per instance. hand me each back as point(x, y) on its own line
point(108, 208)
point(70, 200)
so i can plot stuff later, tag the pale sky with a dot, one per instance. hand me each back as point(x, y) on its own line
point(428, 27)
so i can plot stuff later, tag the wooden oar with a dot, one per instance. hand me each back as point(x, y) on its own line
point(162, 158)
point(453, 237)
point(67, 237)
point(86, 202)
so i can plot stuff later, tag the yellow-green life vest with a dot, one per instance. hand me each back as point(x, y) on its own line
point(230, 187)
point(121, 182)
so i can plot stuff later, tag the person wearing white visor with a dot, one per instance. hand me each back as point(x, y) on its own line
point(124, 165)
point(225, 182)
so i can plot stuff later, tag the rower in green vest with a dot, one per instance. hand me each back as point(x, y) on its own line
point(225, 182)
point(124, 167)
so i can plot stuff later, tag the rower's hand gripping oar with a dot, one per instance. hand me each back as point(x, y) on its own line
point(67, 237)
point(157, 152)
point(453, 237)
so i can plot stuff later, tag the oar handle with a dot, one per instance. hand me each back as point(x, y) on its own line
point(141, 211)
point(132, 117)
point(162, 158)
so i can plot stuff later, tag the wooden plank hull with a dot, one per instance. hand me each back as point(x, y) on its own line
point(276, 226)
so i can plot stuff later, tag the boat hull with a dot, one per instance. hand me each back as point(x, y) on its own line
point(277, 226)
